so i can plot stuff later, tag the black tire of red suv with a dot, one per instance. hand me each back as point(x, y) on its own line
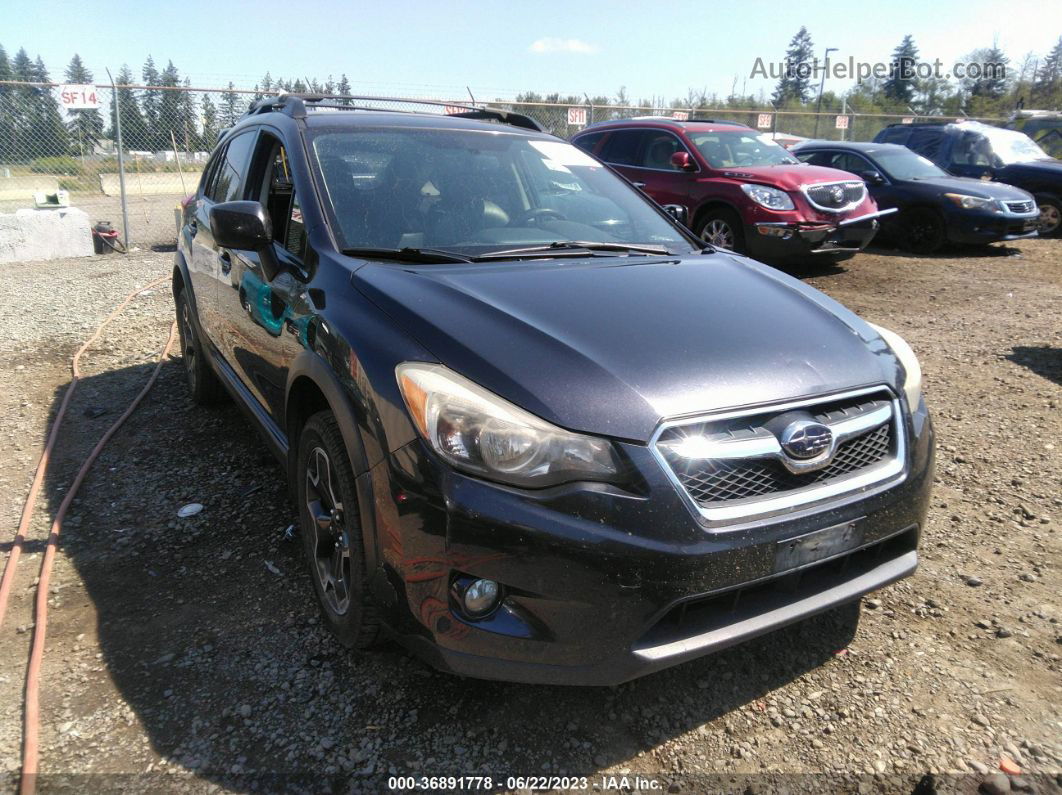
point(330, 527)
point(1050, 224)
point(203, 382)
point(923, 230)
point(723, 225)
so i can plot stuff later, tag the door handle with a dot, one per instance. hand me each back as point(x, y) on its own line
point(638, 185)
point(226, 262)
point(193, 227)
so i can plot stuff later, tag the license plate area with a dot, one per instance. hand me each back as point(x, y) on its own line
point(818, 545)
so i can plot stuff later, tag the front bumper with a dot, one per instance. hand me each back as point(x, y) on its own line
point(604, 585)
point(980, 228)
point(782, 240)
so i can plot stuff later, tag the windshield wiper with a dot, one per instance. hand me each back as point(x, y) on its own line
point(407, 254)
point(567, 247)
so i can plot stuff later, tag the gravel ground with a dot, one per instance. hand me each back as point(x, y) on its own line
point(187, 653)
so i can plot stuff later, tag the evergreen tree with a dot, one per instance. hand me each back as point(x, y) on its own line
point(134, 128)
point(230, 107)
point(37, 125)
point(210, 123)
point(343, 89)
point(169, 121)
point(85, 126)
point(795, 83)
point(7, 109)
point(150, 101)
point(991, 83)
point(1047, 85)
point(189, 128)
point(900, 85)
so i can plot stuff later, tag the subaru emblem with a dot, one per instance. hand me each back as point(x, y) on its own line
point(805, 439)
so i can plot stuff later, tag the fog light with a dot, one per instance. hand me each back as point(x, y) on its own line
point(480, 597)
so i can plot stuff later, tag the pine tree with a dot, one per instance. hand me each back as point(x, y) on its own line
point(189, 128)
point(150, 101)
point(169, 121)
point(900, 85)
point(1047, 85)
point(795, 83)
point(134, 128)
point(230, 106)
point(7, 109)
point(210, 123)
point(343, 89)
point(992, 82)
point(85, 126)
point(38, 124)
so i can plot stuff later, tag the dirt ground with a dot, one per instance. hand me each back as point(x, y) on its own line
point(187, 653)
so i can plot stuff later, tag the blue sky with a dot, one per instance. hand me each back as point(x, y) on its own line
point(575, 46)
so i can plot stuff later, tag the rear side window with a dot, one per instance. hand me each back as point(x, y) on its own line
point(658, 150)
point(232, 171)
point(588, 142)
point(622, 147)
point(893, 135)
point(926, 142)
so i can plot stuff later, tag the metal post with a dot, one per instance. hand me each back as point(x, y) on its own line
point(822, 85)
point(844, 111)
point(121, 162)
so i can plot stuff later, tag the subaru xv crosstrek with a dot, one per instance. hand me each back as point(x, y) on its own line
point(738, 189)
point(535, 429)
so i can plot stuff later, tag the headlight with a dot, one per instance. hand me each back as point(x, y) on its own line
point(971, 202)
point(771, 198)
point(912, 384)
point(479, 432)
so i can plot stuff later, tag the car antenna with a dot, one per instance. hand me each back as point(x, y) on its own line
point(469, 90)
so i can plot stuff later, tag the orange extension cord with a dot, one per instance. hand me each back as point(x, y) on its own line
point(30, 747)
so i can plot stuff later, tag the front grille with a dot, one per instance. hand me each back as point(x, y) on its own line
point(713, 483)
point(1020, 207)
point(836, 196)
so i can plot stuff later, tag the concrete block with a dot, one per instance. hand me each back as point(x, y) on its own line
point(28, 235)
point(23, 188)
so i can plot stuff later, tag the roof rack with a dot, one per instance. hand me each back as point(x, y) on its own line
point(297, 105)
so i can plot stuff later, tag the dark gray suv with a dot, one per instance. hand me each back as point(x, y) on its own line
point(534, 428)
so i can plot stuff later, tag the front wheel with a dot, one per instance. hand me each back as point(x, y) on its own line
point(331, 533)
point(923, 231)
point(203, 382)
point(722, 228)
point(1050, 222)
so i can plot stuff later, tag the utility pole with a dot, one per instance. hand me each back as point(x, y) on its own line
point(822, 85)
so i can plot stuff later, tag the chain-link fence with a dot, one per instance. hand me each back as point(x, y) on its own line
point(55, 147)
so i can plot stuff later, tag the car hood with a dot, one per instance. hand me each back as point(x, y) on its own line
point(1048, 169)
point(611, 345)
point(789, 177)
point(974, 187)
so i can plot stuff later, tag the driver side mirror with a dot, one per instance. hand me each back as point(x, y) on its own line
point(245, 226)
point(872, 177)
point(678, 212)
point(683, 162)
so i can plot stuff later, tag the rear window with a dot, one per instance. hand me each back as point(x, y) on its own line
point(926, 142)
point(589, 141)
point(893, 135)
point(622, 147)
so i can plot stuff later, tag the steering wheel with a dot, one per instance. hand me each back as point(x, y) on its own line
point(539, 214)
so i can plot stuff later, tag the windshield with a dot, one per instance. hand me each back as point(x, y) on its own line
point(730, 149)
point(473, 192)
point(901, 163)
point(1010, 146)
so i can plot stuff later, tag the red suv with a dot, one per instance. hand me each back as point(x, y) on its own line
point(738, 189)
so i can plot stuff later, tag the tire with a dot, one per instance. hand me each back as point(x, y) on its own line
point(922, 231)
point(203, 382)
point(330, 527)
point(1050, 223)
point(725, 227)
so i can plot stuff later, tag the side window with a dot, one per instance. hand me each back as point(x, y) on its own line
point(971, 149)
point(815, 158)
point(926, 143)
point(658, 150)
point(232, 170)
point(894, 135)
point(272, 171)
point(210, 178)
point(854, 164)
point(588, 142)
point(622, 147)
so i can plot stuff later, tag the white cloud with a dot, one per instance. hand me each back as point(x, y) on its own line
point(551, 44)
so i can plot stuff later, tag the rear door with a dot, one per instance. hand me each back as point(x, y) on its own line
point(644, 157)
